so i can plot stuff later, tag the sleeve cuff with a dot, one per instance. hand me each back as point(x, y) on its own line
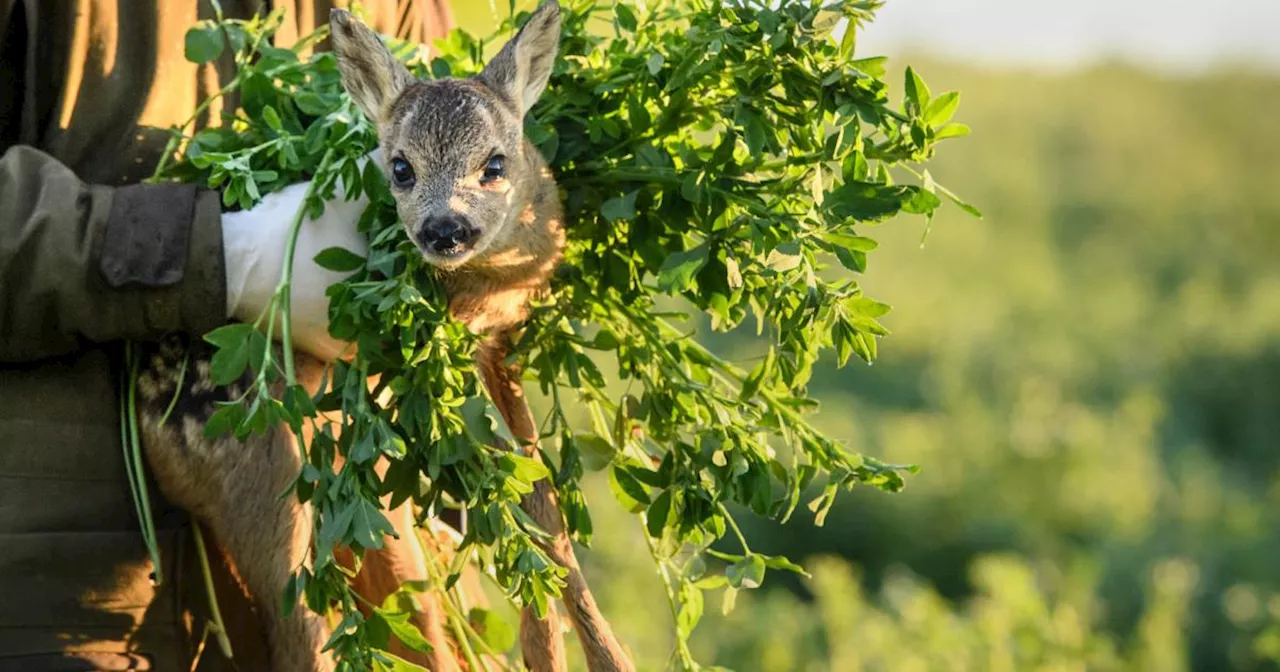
point(204, 290)
point(165, 242)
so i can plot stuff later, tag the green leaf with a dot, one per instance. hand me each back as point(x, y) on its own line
point(862, 305)
point(368, 525)
point(525, 469)
point(849, 241)
point(626, 17)
point(229, 335)
point(867, 201)
point(852, 260)
point(619, 208)
point(654, 62)
point(493, 630)
point(293, 589)
point(203, 43)
point(917, 93)
point(315, 105)
point(235, 343)
point(959, 202)
point(921, 202)
point(848, 41)
point(779, 562)
point(951, 131)
point(339, 259)
point(942, 109)
point(711, 582)
point(272, 118)
point(408, 634)
point(334, 530)
point(389, 662)
point(784, 257)
point(872, 67)
point(677, 272)
point(747, 572)
point(629, 491)
point(597, 453)
point(227, 417)
point(729, 599)
point(659, 513)
point(364, 449)
point(690, 610)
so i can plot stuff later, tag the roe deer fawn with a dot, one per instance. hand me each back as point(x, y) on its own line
point(481, 204)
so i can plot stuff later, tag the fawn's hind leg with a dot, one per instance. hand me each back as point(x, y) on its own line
point(234, 488)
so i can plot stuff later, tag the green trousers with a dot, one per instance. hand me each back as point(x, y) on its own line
point(75, 587)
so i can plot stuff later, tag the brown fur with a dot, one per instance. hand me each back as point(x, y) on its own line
point(447, 130)
point(235, 489)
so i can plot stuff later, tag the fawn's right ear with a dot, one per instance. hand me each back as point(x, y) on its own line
point(521, 70)
point(370, 74)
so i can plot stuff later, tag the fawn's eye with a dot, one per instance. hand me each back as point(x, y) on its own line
point(401, 173)
point(494, 170)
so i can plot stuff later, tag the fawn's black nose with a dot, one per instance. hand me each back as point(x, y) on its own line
point(447, 234)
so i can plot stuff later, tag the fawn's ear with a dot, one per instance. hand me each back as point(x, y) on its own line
point(521, 70)
point(370, 74)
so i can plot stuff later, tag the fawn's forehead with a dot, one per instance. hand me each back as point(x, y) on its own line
point(449, 121)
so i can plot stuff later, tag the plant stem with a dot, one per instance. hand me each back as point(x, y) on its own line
point(733, 524)
point(215, 614)
point(682, 647)
point(177, 387)
point(133, 464)
point(284, 289)
point(172, 145)
point(457, 621)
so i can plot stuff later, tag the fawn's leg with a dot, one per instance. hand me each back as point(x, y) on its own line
point(603, 652)
point(235, 488)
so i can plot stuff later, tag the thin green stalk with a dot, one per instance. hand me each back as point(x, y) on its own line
point(133, 464)
point(172, 145)
point(215, 614)
point(682, 647)
point(457, 621)
point(284, 289)
point(177, 388)
point(733, 524)
point(178, 131)
point(125, 384)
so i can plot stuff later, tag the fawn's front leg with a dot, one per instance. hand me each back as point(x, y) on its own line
point(602, 649)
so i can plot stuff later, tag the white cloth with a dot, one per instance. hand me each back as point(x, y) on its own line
point(254, 243)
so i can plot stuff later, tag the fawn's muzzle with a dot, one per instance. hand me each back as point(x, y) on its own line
point(447, 235)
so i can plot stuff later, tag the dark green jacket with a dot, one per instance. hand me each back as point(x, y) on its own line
point(87, 258)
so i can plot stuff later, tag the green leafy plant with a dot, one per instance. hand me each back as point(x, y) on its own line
point(715, 157)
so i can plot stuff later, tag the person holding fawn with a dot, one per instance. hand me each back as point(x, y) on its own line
point(89, 257)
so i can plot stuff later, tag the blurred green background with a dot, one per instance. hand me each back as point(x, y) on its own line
point(1089, 378)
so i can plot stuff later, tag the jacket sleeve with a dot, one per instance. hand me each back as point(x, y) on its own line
point(91, 263)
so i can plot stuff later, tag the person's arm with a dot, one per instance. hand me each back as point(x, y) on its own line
point(91, 263)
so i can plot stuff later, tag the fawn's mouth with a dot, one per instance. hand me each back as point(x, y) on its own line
point(448, 258)
point(451, 252)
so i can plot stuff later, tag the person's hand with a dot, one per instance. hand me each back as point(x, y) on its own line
point(254, 245)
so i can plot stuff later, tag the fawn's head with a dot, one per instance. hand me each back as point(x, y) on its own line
point(453, 150)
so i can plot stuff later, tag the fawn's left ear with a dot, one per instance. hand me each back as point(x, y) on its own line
point(521, 70)
point(370, 74)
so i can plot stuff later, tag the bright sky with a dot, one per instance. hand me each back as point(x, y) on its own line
point(1171, 34)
